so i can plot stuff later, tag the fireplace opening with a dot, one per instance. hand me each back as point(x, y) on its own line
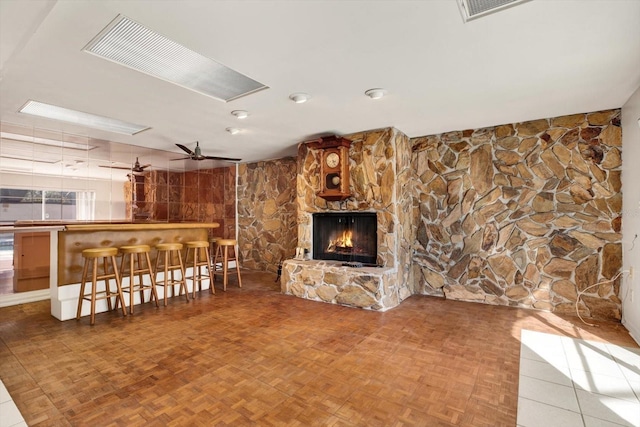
point(345, 236)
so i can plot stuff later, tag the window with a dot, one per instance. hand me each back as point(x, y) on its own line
point(34, 205)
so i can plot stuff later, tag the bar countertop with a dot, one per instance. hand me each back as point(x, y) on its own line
point(103, 225)
point(141, 226)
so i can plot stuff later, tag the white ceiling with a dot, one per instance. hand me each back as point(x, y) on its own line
point(542, 58)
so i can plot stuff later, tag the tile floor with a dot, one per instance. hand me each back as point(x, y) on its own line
point(10, 416)
point(570, 382)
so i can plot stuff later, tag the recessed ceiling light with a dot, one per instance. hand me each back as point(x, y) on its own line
point(130, 44)
point(233, 131)
point(376, 93)
point(240, 114)
point(54, 112)
point(299, 98)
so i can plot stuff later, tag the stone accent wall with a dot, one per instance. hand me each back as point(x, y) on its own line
point(381, 174)
point(523, 214)
point(267, 213)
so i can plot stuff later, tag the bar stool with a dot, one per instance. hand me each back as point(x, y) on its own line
point(132, 257)
point(213, 244)
point(227, 250)
point(199, 251)
point(91, 257)
point(166, 262)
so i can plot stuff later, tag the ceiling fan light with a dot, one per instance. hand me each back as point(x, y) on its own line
point(240, 114)
point(299, 98)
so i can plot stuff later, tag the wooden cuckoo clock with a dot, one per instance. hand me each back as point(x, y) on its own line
point(334, 167)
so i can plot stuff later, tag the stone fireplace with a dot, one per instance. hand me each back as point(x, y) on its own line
point(380, 170)
point(345, 236)
point(525, 214)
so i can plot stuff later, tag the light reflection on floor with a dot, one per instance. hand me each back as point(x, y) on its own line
point(570, 382)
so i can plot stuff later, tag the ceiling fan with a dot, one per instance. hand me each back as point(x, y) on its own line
point(137, 167)
point(197, 154)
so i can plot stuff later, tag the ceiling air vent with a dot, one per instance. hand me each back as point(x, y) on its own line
point(472, 9)
point(130, 44)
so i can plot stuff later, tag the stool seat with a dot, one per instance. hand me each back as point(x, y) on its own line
point(227, 242)
point(199, 250)
point(226, 251)
point(99, 252)
point(138, 266)
point(135, 249)
point(169, 246)
point(196, 244)
point(167, 263)
point(90, 275)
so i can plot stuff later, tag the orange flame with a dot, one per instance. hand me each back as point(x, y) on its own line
point(345, 240)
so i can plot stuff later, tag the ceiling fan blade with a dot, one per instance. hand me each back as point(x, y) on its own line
point(185, 149)
point(145, 166)
point(182, 158)
point(222, 158)
point(116, 167)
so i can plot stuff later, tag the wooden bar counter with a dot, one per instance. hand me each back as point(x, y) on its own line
point(68, 240)
point(77, 237)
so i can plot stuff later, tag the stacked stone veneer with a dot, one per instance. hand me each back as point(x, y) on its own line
point(524, 215)
point(380, 169)
point(267, 213)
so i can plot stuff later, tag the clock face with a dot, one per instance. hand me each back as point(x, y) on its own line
point(332, 160)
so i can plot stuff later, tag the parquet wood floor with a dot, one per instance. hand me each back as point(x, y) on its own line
point(253, 356)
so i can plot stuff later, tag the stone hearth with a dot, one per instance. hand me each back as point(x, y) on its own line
point(329, 281)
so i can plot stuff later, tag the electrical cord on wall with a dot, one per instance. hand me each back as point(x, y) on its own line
point(580, 293)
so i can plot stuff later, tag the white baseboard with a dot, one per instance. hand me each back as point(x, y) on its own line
point(64, 299)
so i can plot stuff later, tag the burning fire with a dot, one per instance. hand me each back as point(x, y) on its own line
point(343, 241)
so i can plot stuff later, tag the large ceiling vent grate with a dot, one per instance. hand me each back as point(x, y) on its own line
point(130, 44)
point(472, 9)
